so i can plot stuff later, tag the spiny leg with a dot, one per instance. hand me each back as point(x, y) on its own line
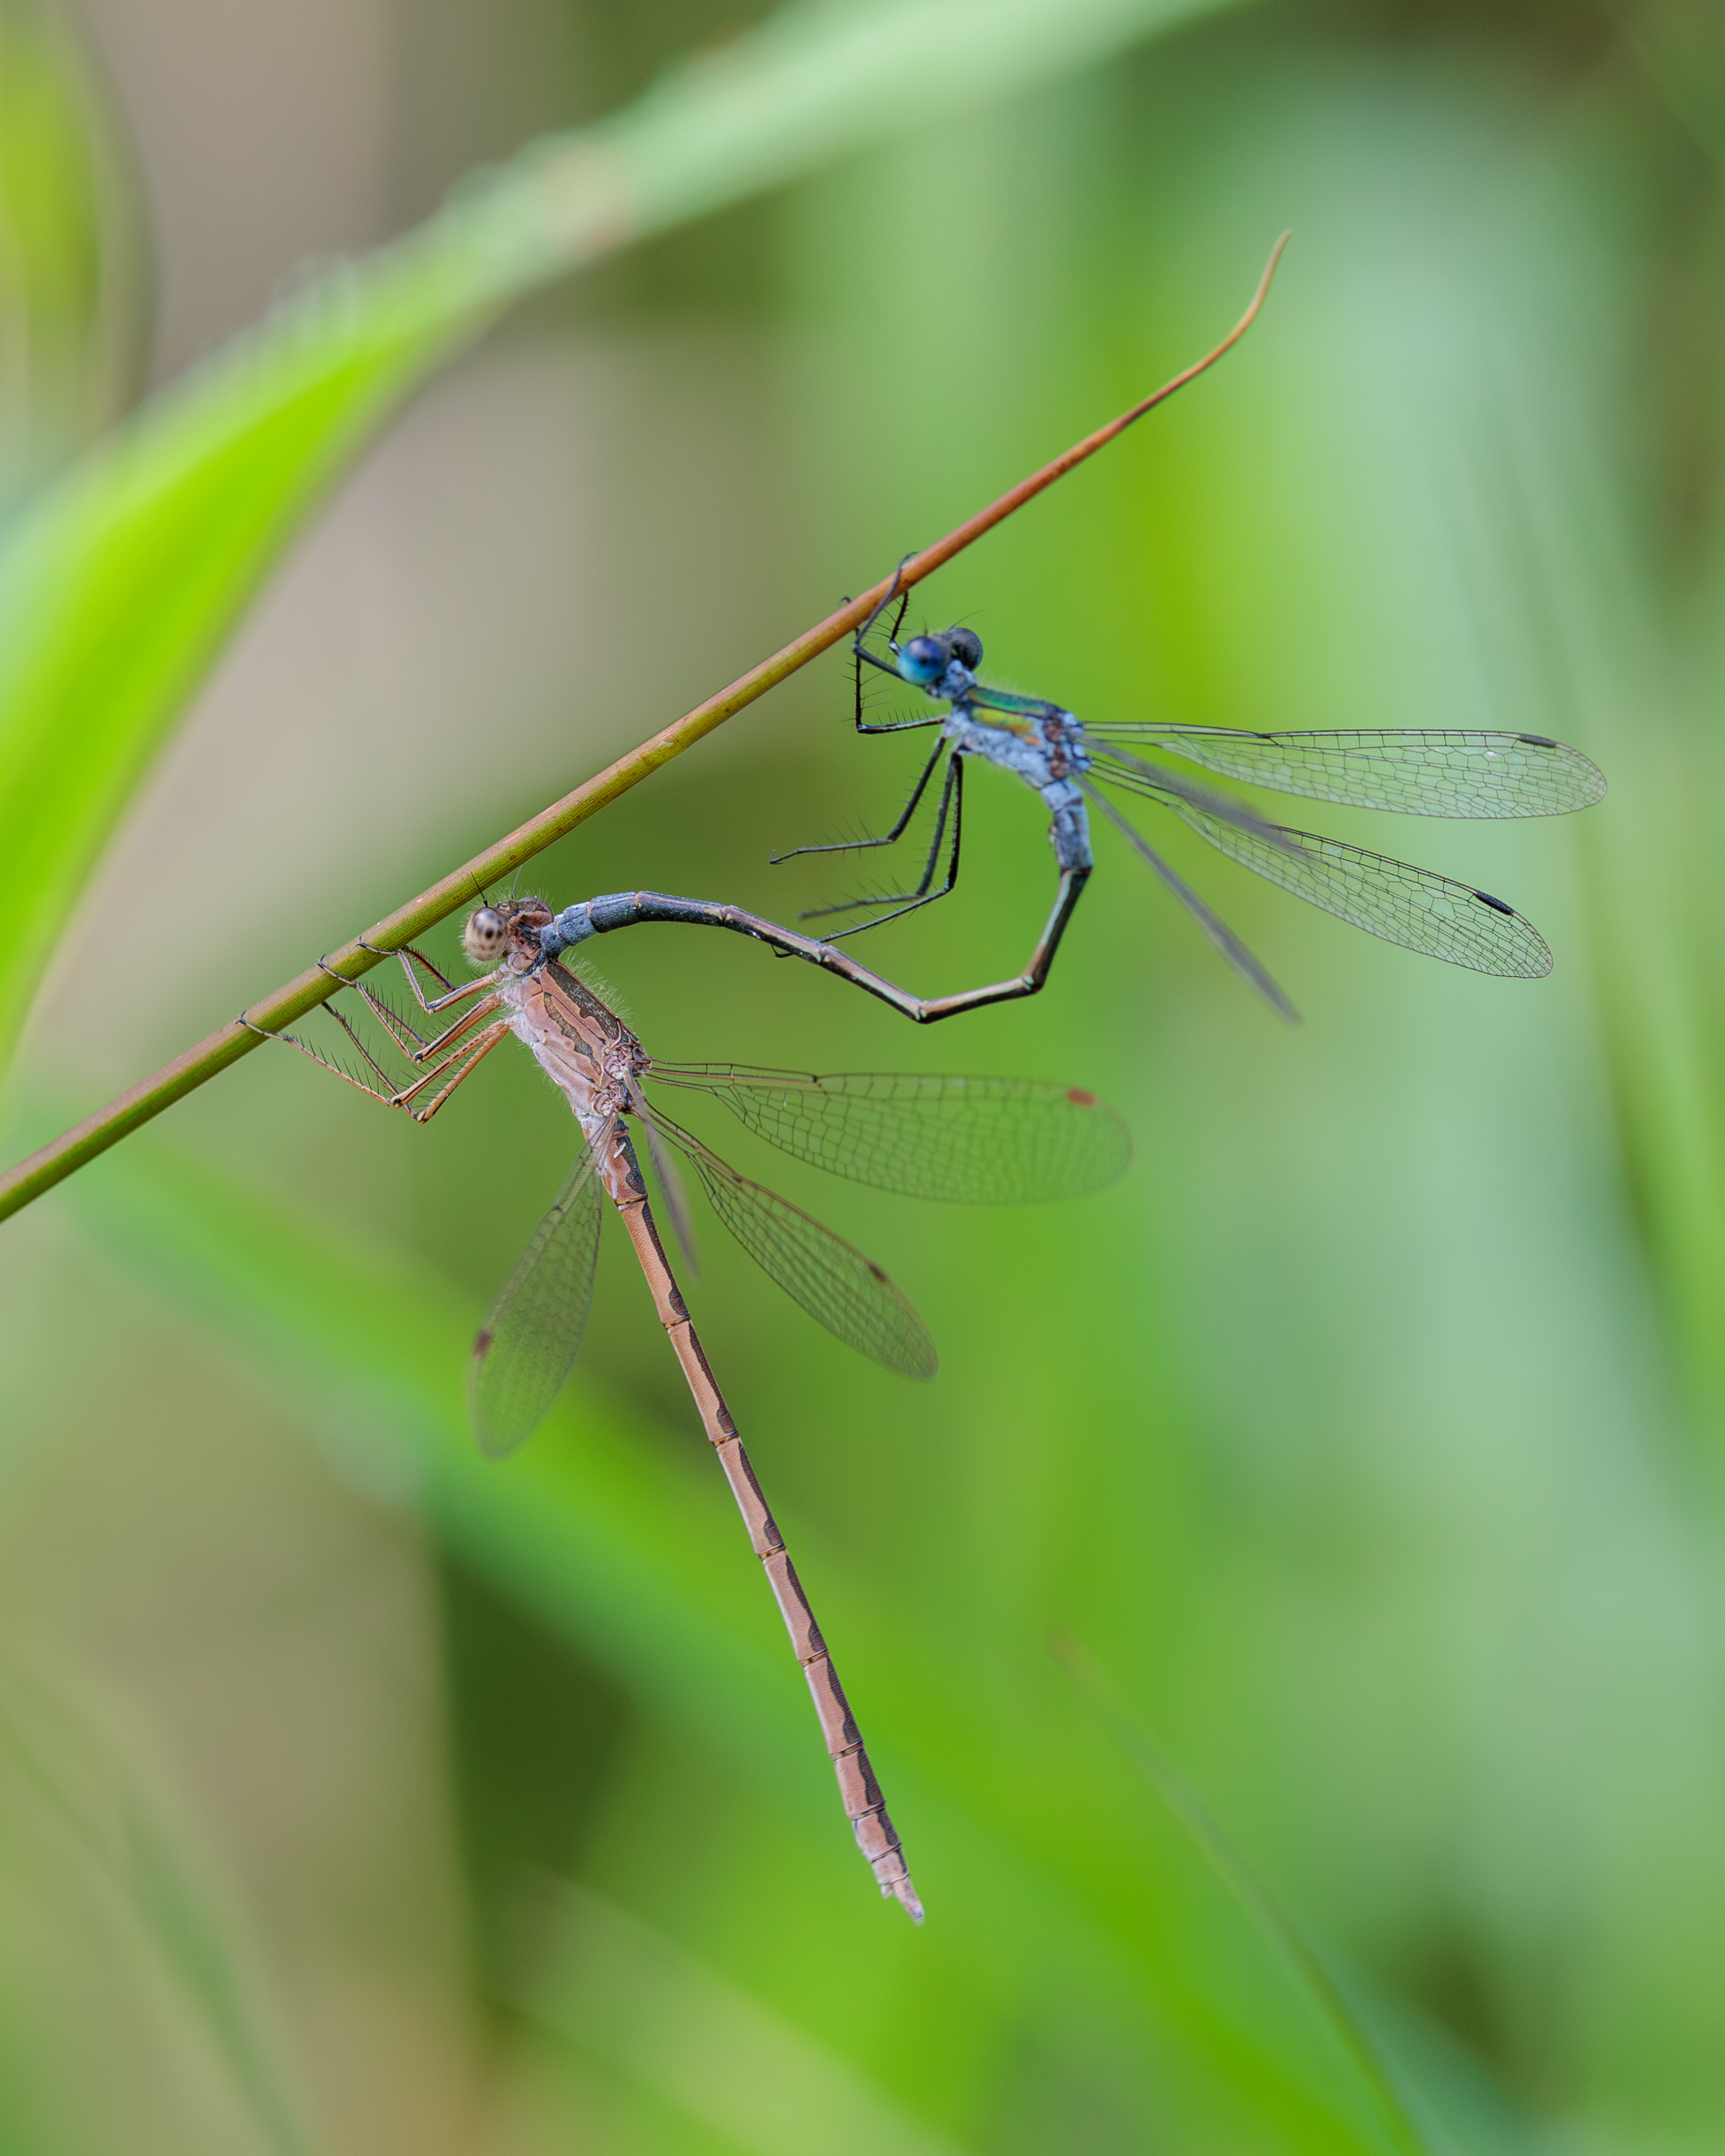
point(861, 656)
point(921, 891)
point(433, 1004)
point(392, 1019)
point(903, 902)
point(892, 725)
point(891, 838)
point(462, 1060)
point(413, 1046)
point(421, 1051)
point(892, 592)
point(474, 1052)
point(405, 952)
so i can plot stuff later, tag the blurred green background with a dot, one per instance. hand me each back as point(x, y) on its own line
point(357, 1796)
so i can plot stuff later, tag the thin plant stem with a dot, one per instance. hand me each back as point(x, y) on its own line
point(134, 1108)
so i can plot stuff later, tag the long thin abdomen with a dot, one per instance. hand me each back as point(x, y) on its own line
point(864, 1806)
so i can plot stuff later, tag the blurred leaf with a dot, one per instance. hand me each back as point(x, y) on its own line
point(1352, 1430)
point(1244, 1883)
point(70, 286)
point(110, 1922)
point(597, 1540)
point(736, 2067)
point(119, 586)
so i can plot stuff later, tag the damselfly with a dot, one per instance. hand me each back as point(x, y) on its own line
point(1461, 771)
point(970, 1140)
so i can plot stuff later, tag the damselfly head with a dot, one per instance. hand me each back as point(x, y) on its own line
point(924, 660)
point(494, 931)
point(485, 935)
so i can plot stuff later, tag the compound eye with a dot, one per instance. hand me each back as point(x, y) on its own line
point(967, 647)
point(923, 660)
point(484, 935)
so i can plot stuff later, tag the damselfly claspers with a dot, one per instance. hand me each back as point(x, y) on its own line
point(1462, 772)
point(972, 1140)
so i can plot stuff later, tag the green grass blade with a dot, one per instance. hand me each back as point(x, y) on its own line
point(120, 584)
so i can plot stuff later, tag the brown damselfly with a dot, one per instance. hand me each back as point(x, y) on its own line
point(970, 1140)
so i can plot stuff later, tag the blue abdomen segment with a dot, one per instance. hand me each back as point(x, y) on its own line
point(1069, 834)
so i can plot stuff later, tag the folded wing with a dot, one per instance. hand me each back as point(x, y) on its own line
point(836, 1284)
point(526, 1347)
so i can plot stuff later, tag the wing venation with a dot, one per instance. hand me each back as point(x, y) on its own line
point(1461, 771)
point(840, 1288)
point(528, 1345)
point(969, 1141)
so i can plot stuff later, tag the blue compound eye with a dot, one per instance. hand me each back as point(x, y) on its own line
point(966, 648)
point(923, 660)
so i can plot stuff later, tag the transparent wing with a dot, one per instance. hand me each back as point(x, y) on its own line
point(524, 1351)
point(1412, 906)
point(836, 1284)
point(670, 1186)
point(1218, 930)
point(1130, 770)
point(1459, 772)
point(970, 1141)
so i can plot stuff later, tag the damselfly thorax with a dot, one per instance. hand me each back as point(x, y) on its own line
point(581, 1045)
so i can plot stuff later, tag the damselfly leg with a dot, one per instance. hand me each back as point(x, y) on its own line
point(861, 656)
point(887, 839)
point(907, 901)
point(952, 797)
point(452, 1056)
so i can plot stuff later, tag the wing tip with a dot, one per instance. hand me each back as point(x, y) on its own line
point(914, 1355)
point(495, 1443)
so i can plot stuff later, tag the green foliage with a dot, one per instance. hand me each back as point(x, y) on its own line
point(68, 274)
point(1367, 1434)
point(1233, 1870)
point(583, 1528)
point(119, 586)
point(128, 2001)
point(610, 1990)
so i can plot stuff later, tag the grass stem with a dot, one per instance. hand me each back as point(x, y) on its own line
point(53, 1162)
